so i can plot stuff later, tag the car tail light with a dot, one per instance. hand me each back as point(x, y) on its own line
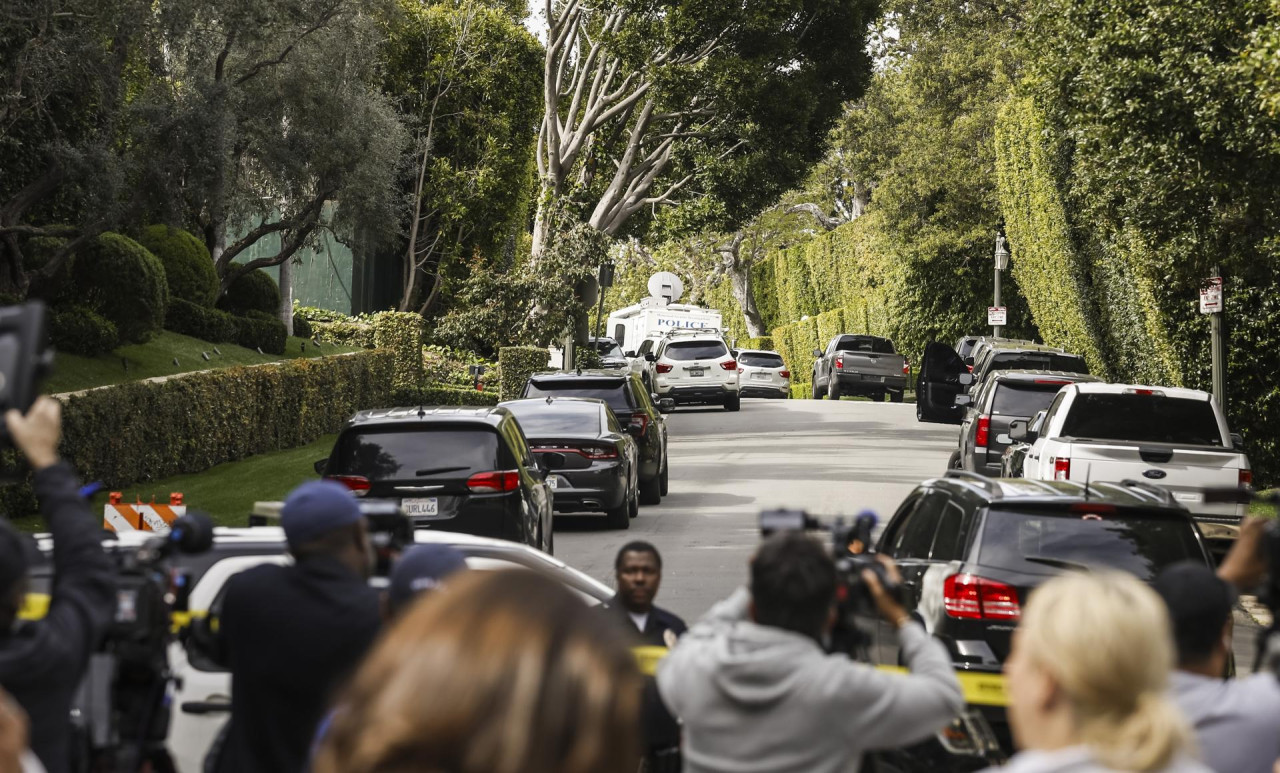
point(976, 598)
point(358, 484)
point(1246, 478)
point(494, 482)
point(839, 360)
point(729, 365)
point(983, 433)
point(662, 367)
point(906, 366)
point(641, 420)
point(1062, 469)
point(741, 370)
point(1149, 392)
point(784, 373)
point(597, 453)
point(1050, 381)
point(970, 367)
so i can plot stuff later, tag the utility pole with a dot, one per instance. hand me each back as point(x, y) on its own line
point(1213, 303)
point(1002, 262)
point(605, 281)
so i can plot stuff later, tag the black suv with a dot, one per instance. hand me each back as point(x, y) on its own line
point(971, 549)
point(631, 403)
point(457, 469)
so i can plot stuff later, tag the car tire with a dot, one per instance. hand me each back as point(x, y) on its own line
point(919, 410)
point(733, 403)
point(833, 389)
point(953, 463)
point(897, 396)
point(619, 517)
point(665, 485)
point(633, 504)
point(651, 491)
point(817, 394)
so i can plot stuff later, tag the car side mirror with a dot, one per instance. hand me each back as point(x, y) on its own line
point(666, 405)
point(320, 466)
point(650, 357)
point(1019, 432)
point(634, 430)
point(817, 352)
point(1004, 440)
point(1237, 441)
point(629, 354)
point(552, 460)
point(966, 379)
point(962, 400)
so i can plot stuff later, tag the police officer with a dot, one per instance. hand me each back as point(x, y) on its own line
point(638, 571)
point(292, 634)
point(42, 662)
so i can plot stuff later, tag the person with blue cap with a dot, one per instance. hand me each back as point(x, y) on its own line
point(421, 569)
point(291, 635)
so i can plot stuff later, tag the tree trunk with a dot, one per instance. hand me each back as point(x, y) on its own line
point(286, 295)
point(546, 192)
point(744, 293)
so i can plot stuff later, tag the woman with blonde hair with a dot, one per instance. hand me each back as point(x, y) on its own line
point(499, 672)
point(1087, 679)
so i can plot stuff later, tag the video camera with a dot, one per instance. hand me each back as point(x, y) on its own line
point(25, 356)
point(1268, 656)
point(852, 552)
point(121, 713)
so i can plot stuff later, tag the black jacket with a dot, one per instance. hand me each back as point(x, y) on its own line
point(661, 731)
point(43, 661)
point(291, 636)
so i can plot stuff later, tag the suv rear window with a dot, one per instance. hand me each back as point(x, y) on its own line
point(1044, 542)
point(683, 351)
point(612, 391)
point(865, 344)
point(760, 360)
point(423, 452)
point(1015, 398)
point(1067, 363)
point(1143, 419)
point(538, 419)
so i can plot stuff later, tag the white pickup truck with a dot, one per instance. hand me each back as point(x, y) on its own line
point(1173, 438)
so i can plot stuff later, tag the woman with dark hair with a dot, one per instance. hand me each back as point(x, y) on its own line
point(499, 672)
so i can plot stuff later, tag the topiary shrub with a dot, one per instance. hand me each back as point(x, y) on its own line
point(301, 326)
point(36, 254)
point(81, 330)
point(401, 332)
point(207, 324)
point(254, 291)
point(188, 269)
point(259, 330)
point(516, 364)
point(124, 282)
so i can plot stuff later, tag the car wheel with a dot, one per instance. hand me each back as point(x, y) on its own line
point(633, 503)
point(665, 485)
point(651, 491)
point(919, 409)
point(619, 517)
point(833, 389)
point(817, 394)
point(733, 403)
point(896, 396)
point(551, 539)
point(954, 462)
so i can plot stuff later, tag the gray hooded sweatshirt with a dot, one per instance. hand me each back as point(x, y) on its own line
point(758, 698)
point(1078, 759)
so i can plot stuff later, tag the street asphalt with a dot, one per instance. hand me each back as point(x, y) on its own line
point(830, 458)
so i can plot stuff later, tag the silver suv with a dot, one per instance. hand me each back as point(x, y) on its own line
point(696, 367)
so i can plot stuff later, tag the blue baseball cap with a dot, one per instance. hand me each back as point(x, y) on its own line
point(316, 508)
point(421, 568)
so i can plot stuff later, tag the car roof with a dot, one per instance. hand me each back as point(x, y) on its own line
point(1036, 375)
point(490, 415)
point(1099, 388)
point(1016, 491)
point(686, 334)
point(593, 374)
point(554, 400)
point(1003, 348)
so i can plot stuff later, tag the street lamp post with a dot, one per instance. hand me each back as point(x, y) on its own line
point(605, 280)
point(1002, 262)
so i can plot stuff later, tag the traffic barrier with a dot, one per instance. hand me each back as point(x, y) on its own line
point(119, 517)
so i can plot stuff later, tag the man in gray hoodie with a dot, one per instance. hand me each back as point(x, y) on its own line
point(757, 692)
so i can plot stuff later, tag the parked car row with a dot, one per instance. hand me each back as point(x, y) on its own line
point(698, 366)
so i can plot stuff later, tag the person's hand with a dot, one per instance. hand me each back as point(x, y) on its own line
point(13, 734)
point(887, 605)
point(36, 435)
point(1245, 566)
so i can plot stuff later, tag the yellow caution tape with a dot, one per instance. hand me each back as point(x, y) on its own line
point(36, 605)
point(647, 658)
point(980, 688)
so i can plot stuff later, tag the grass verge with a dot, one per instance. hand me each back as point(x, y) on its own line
point(1261, 508)
point(156, 357)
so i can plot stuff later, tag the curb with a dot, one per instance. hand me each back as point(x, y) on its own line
point(1256, 610)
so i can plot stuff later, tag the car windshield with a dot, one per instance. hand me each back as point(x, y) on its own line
point(1037, 542)
point(1143, 418)
point(760, 360)
point(426, 452)
point(612, 391)
point(865, 344)
point(538, 419)
point(683, 351)
point(1018, 398)
point(1066, 363)
point(607, 348)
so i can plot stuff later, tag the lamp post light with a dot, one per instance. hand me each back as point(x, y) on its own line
point(1002, 263)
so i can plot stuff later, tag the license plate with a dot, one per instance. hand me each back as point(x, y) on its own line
point(760, 376)
point(420, 507)
point(696, 373)
point(553, 482)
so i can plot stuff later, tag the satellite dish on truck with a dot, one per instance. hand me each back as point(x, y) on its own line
point(665, 284)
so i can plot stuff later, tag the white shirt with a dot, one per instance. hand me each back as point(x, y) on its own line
point(641, 619)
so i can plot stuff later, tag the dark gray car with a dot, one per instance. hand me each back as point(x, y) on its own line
point(859, 365)
point(1005, 397)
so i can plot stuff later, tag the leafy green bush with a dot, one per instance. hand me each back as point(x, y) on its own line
point(207, 324)
point(260, 330)
point(188, 269)
point(401, 333)
point(302, 326)
point(122, 281)
point(761, 342)
point(517, 363)
point(452, 367)
point(81, 330)
point(36, 254)
point(442, 395)
point(254, 291)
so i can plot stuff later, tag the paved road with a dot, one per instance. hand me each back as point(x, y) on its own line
point(828, 458)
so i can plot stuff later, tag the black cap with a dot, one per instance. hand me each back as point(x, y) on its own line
point(1199, 603)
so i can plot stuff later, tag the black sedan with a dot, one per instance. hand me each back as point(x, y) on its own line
point(599, 471)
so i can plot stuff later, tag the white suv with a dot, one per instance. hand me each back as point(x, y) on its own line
point(763, 374)
point(696, 367)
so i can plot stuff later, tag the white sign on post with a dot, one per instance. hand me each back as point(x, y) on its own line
point(997, 315)
point(1211, 297)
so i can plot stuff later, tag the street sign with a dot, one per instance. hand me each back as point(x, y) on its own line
point(997, 315)
point(1211, 296)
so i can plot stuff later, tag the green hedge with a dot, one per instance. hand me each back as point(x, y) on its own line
point(122, 281)
point(81, 330)
point(761, 342)
point(441, 395)
point(188, 269)
point(213, 325)
point(302, 326)
point(252, 291)
point(260, 330)
point(516, 364)
point(401, 333)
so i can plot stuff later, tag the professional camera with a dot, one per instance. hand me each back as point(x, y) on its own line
point(1268, 657)
point(122, 711)
point(25, 358)
point(390, 531)
point(852, 552)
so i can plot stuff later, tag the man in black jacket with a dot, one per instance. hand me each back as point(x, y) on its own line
point(292, 634)
point(638, 571)
point(43, 661)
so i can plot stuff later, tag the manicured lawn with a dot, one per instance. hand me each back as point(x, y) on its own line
point(155, 358)
point(227, 492)
point(1259, 508)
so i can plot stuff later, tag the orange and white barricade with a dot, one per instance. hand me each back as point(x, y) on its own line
point(118, 517)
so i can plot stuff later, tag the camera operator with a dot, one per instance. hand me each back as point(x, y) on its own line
point(756, 690)
point(42, 662)
point(292, 634)
point(1236, 721)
